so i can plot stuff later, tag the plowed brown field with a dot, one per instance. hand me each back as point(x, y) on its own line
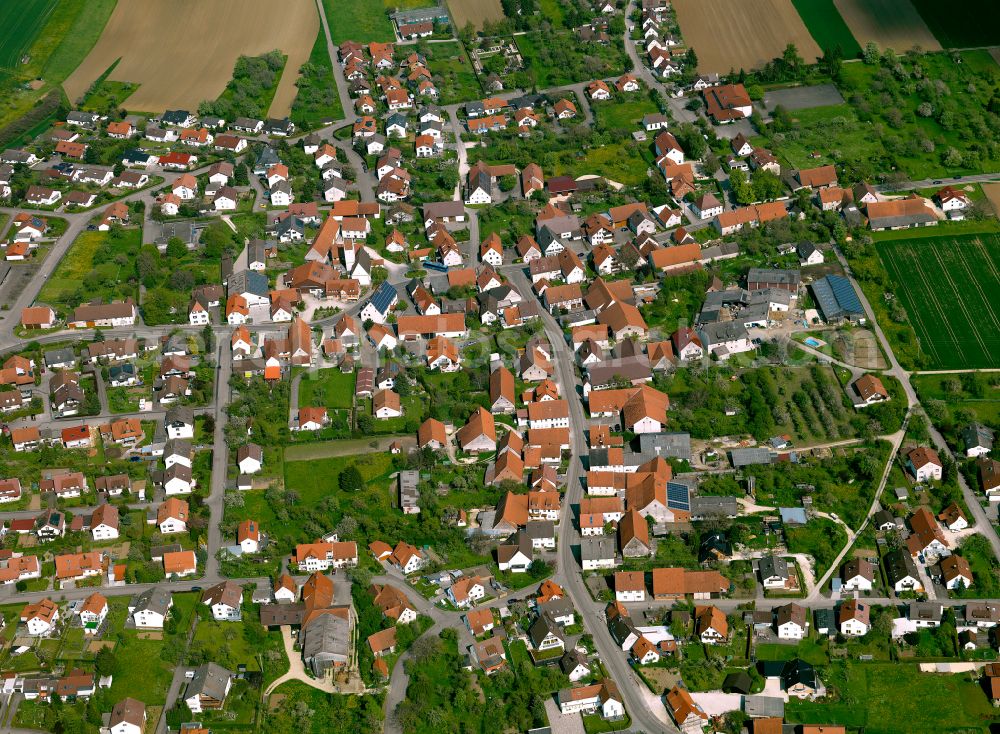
point(894, 24)
point(742, 35)
point(182, 52)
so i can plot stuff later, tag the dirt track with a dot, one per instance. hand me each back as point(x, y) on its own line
point(742, 35)
point(182, 52)
point(891, 24)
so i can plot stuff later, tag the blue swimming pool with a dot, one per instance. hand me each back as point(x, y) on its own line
point(810, 342)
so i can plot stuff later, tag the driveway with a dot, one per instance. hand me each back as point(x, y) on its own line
point(717, 703)
point(296, 668)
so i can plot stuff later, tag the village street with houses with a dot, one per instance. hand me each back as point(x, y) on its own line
point(629, 629)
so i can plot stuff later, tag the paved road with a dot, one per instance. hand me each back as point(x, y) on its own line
point(927, 183)
point(338, 73)
point(646, 710)
point(982, 521)
point(220, 457)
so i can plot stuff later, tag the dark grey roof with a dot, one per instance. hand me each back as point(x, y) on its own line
point(153, 600)
point(825, 618)
point(327, 637)
point(667, 445)
point(571, 660)
point(976, 435)
point(898, 565)
point(773, 275)
point(59, 356)
point(180, 414)
point(711, 506)
point(750, 456)
point(805, 249)
point(248, 281)
point(712, 544)
point(597, 548)
point(836, 298)
point(773, 566)
point(539, 529)
point(798, 671)
point(541, 628)
point(175, 117)
point(721, 332)
point(185, 231)
point(210, 680)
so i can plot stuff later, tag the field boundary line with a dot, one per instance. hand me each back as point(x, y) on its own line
point(967, 268)
point(958, 298)
point(913, 313)
point(936, 309)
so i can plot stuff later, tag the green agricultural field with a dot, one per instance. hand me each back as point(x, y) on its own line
point(826, 26)
point(948, 286)
point(977, 25)
point(358, 20)
point(20, 23)
point(70, 32)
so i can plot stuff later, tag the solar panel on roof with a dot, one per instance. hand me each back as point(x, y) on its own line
point(678, 496)
point(845, 294)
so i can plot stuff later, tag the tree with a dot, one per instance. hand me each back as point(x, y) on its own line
point(871, 53)
point(208, 339)
point(106, 662)
point(350, 479)
point(176, 248)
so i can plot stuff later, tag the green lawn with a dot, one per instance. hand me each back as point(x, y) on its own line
point(326, 713)
point(948, 286)
point(622, 162)
point(623, 112)
point(896, 698)
point(327, 387)
point(826, 26)
point(977, 25)
point(108, 95)
point(821, 538)
point(94, 267)
point(553, 11)
point(359, 20)
point(315, 485)
point(453, 73)
point(834, 132)
point(936, 388)
point(811, 650)
point(317, 100)
point(559, 58)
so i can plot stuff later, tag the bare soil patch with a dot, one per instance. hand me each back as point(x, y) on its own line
point(894, 24)
point(475, 12)
point(992, 191)
point(182, 52)
point(742, 35)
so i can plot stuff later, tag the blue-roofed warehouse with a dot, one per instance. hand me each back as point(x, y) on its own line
point(837, 300)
